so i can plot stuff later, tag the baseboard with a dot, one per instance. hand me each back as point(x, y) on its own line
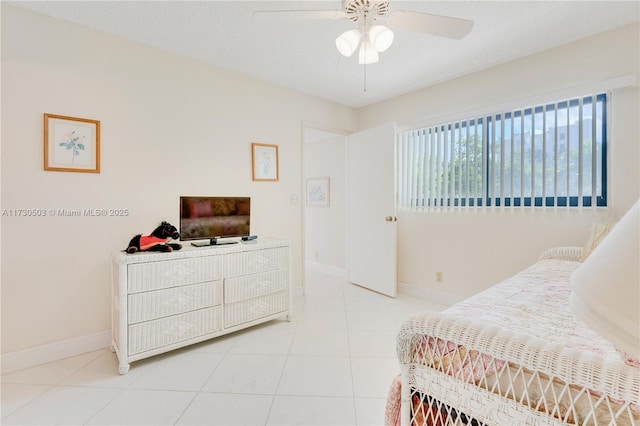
point(31, 357)
point(326, 269)
point(437, 296)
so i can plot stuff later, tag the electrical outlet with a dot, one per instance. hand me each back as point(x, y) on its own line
point(438, 277)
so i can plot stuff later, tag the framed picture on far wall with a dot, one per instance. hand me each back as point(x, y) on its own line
point(264, 162)
point(318, 191)
point(71, 144)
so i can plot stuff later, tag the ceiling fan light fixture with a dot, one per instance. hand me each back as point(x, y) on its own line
point(368, 54)
point(381, 37)
point(347, 42)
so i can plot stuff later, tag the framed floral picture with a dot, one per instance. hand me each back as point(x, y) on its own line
point(264, 160)
point(71, 144)
point(318, 191)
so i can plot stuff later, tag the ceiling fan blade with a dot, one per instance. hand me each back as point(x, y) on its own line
point(300, 14)
point(443, 26)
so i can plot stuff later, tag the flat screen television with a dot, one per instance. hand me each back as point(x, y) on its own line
point(212, 218)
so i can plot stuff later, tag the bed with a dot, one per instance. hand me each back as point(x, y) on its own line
point(514, 354)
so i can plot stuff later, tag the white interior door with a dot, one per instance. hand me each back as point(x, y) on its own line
point(371, 209)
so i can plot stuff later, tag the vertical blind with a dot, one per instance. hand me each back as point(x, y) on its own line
point(544, 156)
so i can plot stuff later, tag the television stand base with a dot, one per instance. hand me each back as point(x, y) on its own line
point(213, 242)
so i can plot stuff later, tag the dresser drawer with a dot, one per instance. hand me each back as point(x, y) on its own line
point(171, 273)
point(258, 307)
point(171, 301)
point(249, 286)
point(245, 263)
point(166, 331)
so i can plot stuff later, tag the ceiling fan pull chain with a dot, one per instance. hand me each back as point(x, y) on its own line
point(365, 77)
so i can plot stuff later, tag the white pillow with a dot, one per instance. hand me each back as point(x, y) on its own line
point(606, 287)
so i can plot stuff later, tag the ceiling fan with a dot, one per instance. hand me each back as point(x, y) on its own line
point(371, 36)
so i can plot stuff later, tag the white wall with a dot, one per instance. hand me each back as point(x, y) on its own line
point(476, 248)
point(170, 127)
point(325, 230)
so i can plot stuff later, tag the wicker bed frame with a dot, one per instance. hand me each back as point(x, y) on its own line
point(461, 370)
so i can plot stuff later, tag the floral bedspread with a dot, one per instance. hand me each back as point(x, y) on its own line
point(536, 302)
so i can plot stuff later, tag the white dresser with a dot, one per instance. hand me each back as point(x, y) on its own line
point(164, 301)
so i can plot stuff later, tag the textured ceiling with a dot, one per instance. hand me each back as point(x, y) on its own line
point(301, 54)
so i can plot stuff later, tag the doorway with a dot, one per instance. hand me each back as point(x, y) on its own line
point(324, 163)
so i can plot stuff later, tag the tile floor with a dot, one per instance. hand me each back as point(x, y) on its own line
point(331, 365)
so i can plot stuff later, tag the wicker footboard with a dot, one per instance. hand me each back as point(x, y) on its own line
point(497, 377)
point(435, 399)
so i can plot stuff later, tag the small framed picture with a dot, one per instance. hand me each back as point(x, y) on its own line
point(71, 144)
point(264, 162)
point(318, 191)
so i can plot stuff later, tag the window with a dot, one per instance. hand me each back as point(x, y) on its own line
point(543, 156)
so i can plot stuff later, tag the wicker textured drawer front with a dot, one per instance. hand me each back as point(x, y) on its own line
point(171, 301)
point(237, 264)
point(162, 332)
point(171, 273)
point(248, 286)
point(258, 307)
